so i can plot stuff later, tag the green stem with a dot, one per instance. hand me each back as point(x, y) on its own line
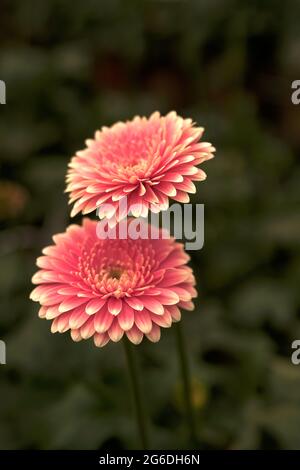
point(137, 396)
point(187, 387)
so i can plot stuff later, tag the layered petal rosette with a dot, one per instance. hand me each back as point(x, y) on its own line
point(105, 288)
point(146, 161)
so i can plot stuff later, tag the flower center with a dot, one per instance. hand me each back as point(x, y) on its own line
point(134, 170)
point(119, 266)
point(115, 272)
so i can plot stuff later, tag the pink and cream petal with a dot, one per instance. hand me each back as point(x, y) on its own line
point(134, 335)
point(101, 340)
point(143, 321)
point(154, 334)
point(115, 332)
point(126, 317)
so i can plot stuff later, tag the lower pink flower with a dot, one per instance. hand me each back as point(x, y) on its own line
point(103, 288)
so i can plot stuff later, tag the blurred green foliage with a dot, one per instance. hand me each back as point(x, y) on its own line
point(71, 67)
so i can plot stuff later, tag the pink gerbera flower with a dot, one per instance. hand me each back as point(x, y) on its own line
point(103, 288)
point(145, 160)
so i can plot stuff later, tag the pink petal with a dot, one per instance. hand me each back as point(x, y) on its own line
point(199, 176)
point(52, 312)
point(188, 170)
point(142, 189)
point(173, 277)
point(173, 177)
point(143, 321)
point(126, 317)
point(175, 259)
point(150, 196)
point(136, 209)
point(88, 329)
point(188, 286)
point(101, 340)
point(168, 297)
point(134, 335)
point(50, 299)
point(77, 318)
point(115, 331)
point(42, 312)
point(154, 334)
point(61, 323)
point(41, 290)
point(103, 321)
point(71, 303)
point(114, 305)
point(68, 291)
point(94, 306)
point(183, 294)
point(134, 303)
point(181, 196)
point(167, 188)
point(164, 320)
point(187, 185)
point(186, 305)
point(175, 312)
point(152, 291)
point(75, 335)
point(152, 304)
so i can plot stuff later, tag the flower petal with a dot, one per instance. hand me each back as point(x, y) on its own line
point(77, 318)
point(134, 303)
point(152, 304)
point(71, 303)
point(154, 334)
point(126, 317)
point(103, 321)
point(94, 306)
point(115, 332)
point(101, 340)
point(134, 335)
point(114, 305)
point(143, 321)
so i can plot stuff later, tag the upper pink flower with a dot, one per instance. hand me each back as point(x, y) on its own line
point(146, 160)
point(105, 287)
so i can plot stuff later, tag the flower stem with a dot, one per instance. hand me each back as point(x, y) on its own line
point(137, 395)
point(187, 387)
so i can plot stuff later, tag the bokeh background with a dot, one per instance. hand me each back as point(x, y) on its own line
point(71, 67)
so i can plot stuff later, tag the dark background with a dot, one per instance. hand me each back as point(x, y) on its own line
point(71, 67)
